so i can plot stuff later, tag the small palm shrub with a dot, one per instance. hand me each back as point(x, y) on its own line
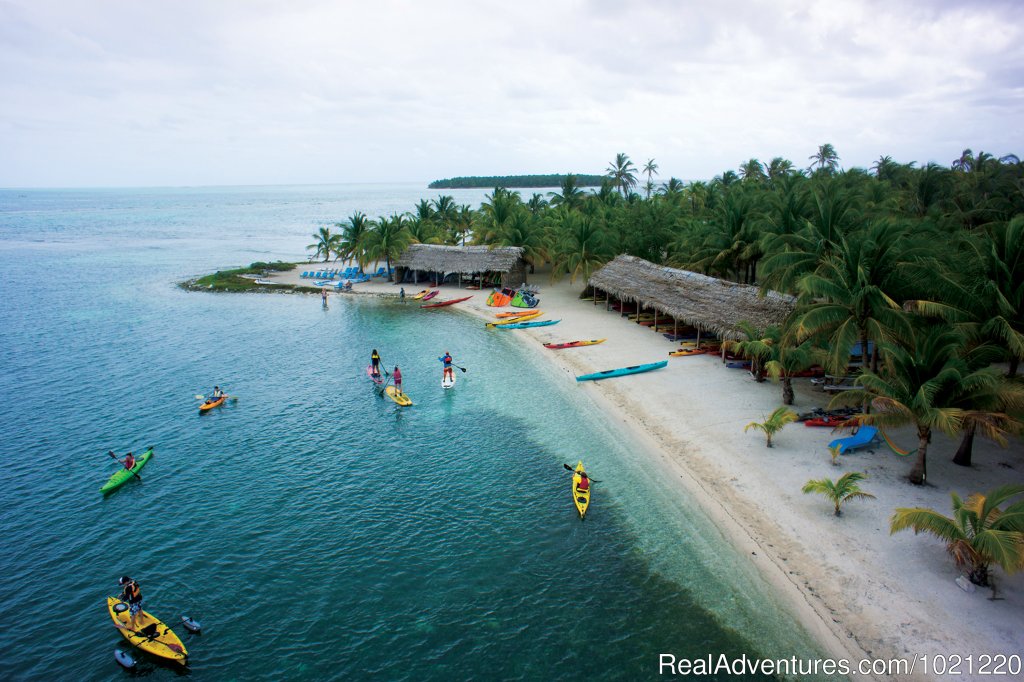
point(773, 423)
point(840, 491)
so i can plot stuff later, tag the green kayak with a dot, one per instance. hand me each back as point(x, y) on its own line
point(122, 475)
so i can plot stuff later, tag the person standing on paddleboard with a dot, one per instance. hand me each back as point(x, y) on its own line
point(131, 594)
point(446, 360)
point(397, 377)
point(375, 363)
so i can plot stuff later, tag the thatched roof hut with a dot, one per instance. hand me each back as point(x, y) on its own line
point(505, 262)
point(704, 302)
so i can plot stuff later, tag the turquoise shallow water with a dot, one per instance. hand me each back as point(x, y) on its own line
point(317, 530)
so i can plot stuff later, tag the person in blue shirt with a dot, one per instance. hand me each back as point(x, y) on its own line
point(446, 360)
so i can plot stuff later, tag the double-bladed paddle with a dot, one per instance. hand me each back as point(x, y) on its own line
point(573, 470)
point(111, 453)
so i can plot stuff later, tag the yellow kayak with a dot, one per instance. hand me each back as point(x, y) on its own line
point(153, 636)
point(581, 498)
point(402, 399)
point(534, 314)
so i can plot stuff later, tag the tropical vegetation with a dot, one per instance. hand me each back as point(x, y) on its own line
point(918, 269)
point(844, 489)
point(773, 423)
point(979, 533)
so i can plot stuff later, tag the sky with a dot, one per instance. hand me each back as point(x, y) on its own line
point(236, 92)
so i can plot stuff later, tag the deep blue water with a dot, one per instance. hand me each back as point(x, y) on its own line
point(317, 530)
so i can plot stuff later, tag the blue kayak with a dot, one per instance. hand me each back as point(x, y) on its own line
point(527, 325)
point(622, 371)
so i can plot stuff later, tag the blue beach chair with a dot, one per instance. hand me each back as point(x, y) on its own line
point(865, 436)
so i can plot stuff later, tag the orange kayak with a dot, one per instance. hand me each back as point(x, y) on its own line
point(208, 405)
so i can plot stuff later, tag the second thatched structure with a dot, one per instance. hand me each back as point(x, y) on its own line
point(499, 265)
point(707, 303)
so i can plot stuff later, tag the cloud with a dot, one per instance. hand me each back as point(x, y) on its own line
point(192, 92)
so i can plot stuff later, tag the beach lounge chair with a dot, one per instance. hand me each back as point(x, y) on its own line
point(380, 272)
point(865, 436)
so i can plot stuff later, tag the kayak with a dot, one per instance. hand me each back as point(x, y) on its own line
point(573, 344)
point(122, 476)
point(514, 313)
point(441, 304)
point(622, 371)
point(421, 294)
point(431, 295)
point(447, 382)
point(683, 352)
point(210, 405)
point(581, 498)
point(153, 636)
point(379, 379)
point(402, 400)
point(832, 420)
point(528, 325)
point(516, 320)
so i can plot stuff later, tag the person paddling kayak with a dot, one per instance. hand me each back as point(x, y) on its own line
point(131, 594)
point(129, 461)
point(584, 483)
point(375, 363)
point(446, 360)
point(215, 396)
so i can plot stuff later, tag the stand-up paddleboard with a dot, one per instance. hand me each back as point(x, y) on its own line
point(448, 381)
point(379, 379)
point(401, 399)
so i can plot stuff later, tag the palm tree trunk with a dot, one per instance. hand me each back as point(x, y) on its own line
point(919, 472)
point(787, 390)
point(979, 575)
point(964, 452)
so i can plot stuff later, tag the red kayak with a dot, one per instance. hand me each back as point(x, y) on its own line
point(832, 420)
point(431, 295)
point(573, 344)
point(441, 304)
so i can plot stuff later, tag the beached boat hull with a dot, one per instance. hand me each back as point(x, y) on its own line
point(529, 325)
point(441, 304)
point(514, 313)
point(431, 295)
point(119, 478)
point(420, 295)
point(205, 407)
point(683, 352)
point(402, 399)
point(573, 344)
point(580, 498)
point(163, 643)
point(623, 371)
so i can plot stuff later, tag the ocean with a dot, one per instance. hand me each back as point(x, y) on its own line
point(317, 530)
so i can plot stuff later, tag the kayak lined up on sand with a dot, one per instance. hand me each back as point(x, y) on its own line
point(122, 476)
point(683, 352)
point(623, 371)
point(529, 325)
point(441, 304)
point(532, 315)
point(153, 636)
point(581, 498)
point(573, 344)
point(209, 405)
point(421, 294)
point(516, 313)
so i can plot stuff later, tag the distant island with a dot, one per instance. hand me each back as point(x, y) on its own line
point(511, 181)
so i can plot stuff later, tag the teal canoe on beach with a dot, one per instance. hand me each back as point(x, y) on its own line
point(527, 325)
point(122, 476)
point(622, 371)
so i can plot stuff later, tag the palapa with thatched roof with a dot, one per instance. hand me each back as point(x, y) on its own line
point(704, 302)
point(504, 262)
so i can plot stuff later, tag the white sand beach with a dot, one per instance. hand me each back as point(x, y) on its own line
point(860, 591)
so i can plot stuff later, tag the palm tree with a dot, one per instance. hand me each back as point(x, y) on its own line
point(978, 535)
point(389, 240)
point(571, 195)
point(463, 224)
point(580, 245)
point(325, 244)
point(353, 238)
point(840, 491)
point(773, 423)
point(622, 173)
point(753, 171)
point(526, 231)
point(779, 168)
point(650, 170)
point(445, 212)
point(826, 159)
point(922, 382)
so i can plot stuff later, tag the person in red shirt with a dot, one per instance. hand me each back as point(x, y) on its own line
point(584, 483)
point(129, 461)
point(397, 376)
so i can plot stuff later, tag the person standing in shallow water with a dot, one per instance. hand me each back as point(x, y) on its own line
point(323, 295)
point(401, 294)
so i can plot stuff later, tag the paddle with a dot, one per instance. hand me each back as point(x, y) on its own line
point(233, 398)
point(111, 453)
point(573, 469)
point(385, 386)
point(462, 368)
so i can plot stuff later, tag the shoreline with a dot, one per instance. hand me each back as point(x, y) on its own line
point(859, 592)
